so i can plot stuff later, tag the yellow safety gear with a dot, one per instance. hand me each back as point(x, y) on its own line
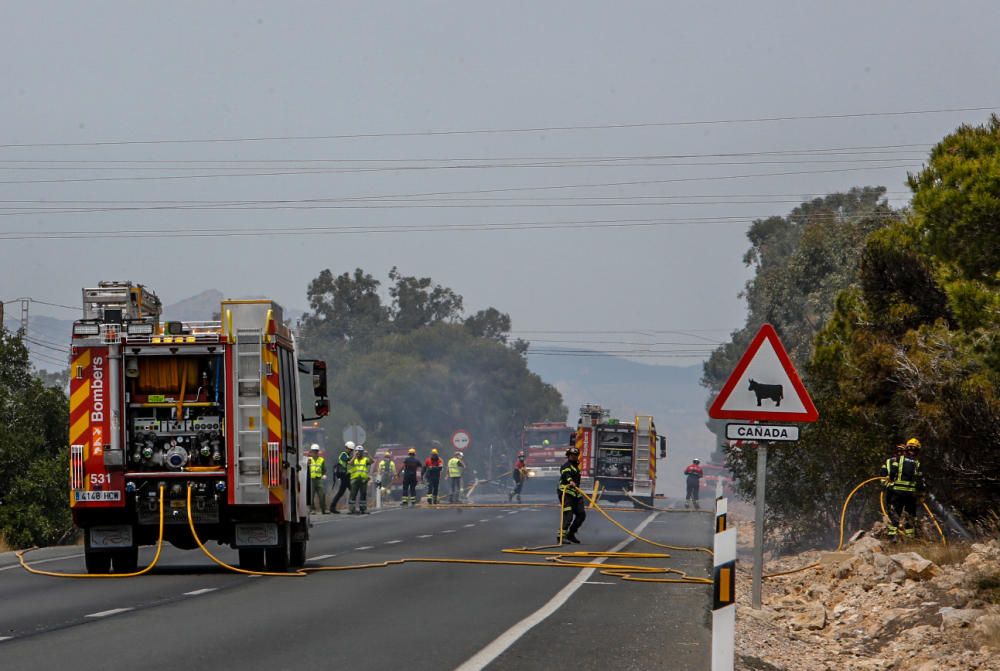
point(455, 467)
point(358, 468)
point(317, 467)
point(913, 442)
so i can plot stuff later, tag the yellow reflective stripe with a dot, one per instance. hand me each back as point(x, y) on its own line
point(83, 361)
point(78, 428)
point(79, 396)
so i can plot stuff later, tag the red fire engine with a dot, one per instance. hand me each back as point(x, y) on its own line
point(210, 407)
point(620, 456)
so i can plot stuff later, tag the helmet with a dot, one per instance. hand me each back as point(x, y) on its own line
point(349, 444)
point(359, 448)
point(573, 451)
point(545, 442)
point(696, 461)
point(459, 455)
point(387, 456)
point(520, 454)
point(409, 451)
point(314, 446)
point(913, 444)
point(434, 450)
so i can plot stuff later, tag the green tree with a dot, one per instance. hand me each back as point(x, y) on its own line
point(34, 497)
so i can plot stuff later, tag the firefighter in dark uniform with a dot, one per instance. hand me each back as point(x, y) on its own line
point(903, 485)
point(343, 477)
point(410, 467)
point(570, 496)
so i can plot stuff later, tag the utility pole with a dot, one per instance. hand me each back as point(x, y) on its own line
point(25, 302)
point(1, 316)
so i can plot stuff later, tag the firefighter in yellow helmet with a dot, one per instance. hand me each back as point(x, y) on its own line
point(411, 470)
point(904, 484)
point(432, 475)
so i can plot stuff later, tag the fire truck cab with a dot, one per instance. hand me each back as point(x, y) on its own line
point(209, 412)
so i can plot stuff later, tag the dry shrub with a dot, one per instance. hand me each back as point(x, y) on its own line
point(942, 555)
point(3, 546)
point(989, 631)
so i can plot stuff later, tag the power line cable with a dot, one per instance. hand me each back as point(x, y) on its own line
point(492, 131)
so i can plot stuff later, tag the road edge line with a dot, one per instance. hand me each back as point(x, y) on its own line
point(500, 644)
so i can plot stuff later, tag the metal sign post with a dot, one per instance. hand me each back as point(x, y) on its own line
point(758, 527)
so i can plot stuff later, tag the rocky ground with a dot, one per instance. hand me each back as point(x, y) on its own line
point(875, 606)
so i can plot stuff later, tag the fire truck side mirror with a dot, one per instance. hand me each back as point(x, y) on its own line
point(663, 447)
point(322, 407)
point(319, 381)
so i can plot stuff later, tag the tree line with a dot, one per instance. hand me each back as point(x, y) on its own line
point(891, 316)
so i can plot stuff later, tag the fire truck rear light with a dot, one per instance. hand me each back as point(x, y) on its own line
point(86, 329)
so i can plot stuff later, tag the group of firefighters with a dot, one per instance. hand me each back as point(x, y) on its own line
point(354, 471)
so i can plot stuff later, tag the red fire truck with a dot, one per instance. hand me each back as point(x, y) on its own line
point(210, 407)
point(544, 446)
point(620, 456)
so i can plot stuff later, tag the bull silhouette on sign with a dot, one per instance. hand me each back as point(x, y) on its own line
point(773, 392)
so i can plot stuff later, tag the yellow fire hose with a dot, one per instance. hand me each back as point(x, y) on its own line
point(159, 548)
point(843, 514)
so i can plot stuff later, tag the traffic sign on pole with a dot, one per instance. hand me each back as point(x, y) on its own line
point(764, 386)
point(355, 434)
point(461, 440)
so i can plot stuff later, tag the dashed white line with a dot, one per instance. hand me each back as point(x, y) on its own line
point(42, 561)
point(392, 542)
point(253, 576)
point(366, 547)
point(320, 557)
point(469, 525)
point(597, 582)
point(448, 531)
point(484, 520)
point(5, 638)
point(425, 535)
point(499, 517)
point(204, 590)
point(106, 613)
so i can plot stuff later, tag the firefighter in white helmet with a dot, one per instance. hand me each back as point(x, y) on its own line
point(456, 467)
point(359, 468)
point(340, 471)
point(317, 479)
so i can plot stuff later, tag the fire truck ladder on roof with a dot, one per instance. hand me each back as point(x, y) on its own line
point(249, 430)
point(643, 434)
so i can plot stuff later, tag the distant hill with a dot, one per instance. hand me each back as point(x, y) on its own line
point(672, 394)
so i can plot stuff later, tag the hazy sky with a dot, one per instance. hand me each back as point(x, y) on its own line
point(125, 71)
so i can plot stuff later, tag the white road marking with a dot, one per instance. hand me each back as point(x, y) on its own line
point(448, 531)
point(366, 547)
point(5, 638)
point(469, 525)
point(106, 613)
point(425, 535)
point(204, 590)
point(253, 576)
point(42, 561)
point(485, 657)
point(320, 557)
point(484, 520)
point(499, 517)
point(597, 582)
point(392, 542)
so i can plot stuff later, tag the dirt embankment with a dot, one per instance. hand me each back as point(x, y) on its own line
point(876, 606)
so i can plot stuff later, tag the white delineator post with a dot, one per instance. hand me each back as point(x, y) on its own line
point(723, 592)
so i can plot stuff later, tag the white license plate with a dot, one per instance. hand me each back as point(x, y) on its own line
point(82, 495)
point(264, 534)
point(117, 536)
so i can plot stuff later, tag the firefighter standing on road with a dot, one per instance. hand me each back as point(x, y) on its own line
point(520, 474)
point(904, 484)
point(317, 479)
point(410, 467)
point(385, 473)
point(456, 467)
point(694, 475)
point(432, 475)
point(343, 477)
point(358, 467)
point(570, 496)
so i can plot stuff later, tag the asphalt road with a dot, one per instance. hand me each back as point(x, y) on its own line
point(190, 614)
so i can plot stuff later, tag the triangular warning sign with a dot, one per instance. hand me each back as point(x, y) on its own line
point(764, 386)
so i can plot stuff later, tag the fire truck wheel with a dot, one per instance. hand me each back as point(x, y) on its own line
point(278, 558)
point(251, 559)
point(297, 557)
point(97, 562)
point(125, 561)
